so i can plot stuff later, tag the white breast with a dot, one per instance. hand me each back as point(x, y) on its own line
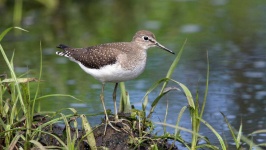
point(114, 72)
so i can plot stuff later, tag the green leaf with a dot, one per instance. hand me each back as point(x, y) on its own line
point(2, 35)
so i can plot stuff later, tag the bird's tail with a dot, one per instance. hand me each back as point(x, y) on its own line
point(62, 46)
point(63, 53)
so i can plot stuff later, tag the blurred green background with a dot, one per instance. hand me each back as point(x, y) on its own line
point(232, 31)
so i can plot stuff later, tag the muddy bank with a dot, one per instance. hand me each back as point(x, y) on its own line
point(128, 137)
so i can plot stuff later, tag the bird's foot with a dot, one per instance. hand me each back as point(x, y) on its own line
point(119, 123)
point(108, 122)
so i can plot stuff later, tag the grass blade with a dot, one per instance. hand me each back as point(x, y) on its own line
point(207, 87)
point(239, 135)
point(38, 144)
point(231, 130)
point(14, 77)
point(2, 35)
point(258, 132)
point(179, 117)
point(89, 134)
point(187, 94)
point(215, 133)
point(14, 141)
point(154, 103)
point(125, 106)
point(57, 95)
point(173, 65)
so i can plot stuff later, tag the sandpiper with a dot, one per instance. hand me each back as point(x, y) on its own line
point(114, 62)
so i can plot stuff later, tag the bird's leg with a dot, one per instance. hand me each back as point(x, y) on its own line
point(106, 115)
point(102, 99)
point(116, 115)
point(114, 99)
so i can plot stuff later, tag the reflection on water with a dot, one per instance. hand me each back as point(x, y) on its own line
point(190, 28)
point(233, 33)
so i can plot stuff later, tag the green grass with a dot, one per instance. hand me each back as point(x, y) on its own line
point(18, 109)
point(196, 114)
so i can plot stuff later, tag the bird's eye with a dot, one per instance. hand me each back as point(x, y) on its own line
point(145, 38)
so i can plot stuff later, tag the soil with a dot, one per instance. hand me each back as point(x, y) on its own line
point(126, 138)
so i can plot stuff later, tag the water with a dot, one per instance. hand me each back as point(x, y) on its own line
point(231, 32)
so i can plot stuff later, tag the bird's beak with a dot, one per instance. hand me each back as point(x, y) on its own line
point(164, 48)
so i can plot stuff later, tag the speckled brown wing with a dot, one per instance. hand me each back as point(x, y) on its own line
point(93, 57)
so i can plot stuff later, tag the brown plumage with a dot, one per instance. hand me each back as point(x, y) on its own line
point(114, 62)
point(93, 57)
